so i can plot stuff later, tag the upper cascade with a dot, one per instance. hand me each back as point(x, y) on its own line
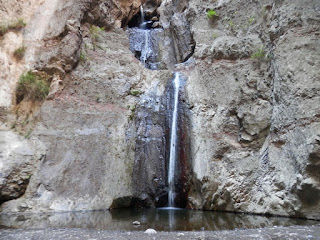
point(144, 41)
point(144, 45)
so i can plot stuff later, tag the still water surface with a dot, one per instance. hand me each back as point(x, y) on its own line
point(158, 219)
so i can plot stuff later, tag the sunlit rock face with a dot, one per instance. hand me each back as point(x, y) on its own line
point(249, 125)
point(52, 35)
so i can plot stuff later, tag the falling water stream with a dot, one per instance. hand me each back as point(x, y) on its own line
point(146, 50)
point(144, 42)
point(173, 142)
point(142, 18)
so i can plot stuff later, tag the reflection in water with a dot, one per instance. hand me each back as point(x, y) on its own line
point(158, 219)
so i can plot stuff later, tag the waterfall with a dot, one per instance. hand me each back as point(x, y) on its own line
point(142, 19)
point(147, 44)
point(146, 50)
point(173, 143)
point(144, 42)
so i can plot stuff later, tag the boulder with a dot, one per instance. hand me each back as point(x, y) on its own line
point(19, 158)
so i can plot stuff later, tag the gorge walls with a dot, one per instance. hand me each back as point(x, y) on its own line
point(254, 97)
point(250, 115)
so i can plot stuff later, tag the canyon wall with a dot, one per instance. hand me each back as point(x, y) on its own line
point(254, 96)
point(250, 133)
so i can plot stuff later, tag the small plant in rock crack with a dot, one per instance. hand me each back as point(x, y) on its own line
point(3, 28)
point(135, 92)
point(259, 54)
point(95, 32)
point(212, 15)
point(20, 23)
point(251, 20)
point(215, 36)
point(231, 24)
point(83, 56)
point(132, 109)
point(28, 134)
point(19, 52)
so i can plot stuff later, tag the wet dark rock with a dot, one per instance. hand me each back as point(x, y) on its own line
point(150, 172)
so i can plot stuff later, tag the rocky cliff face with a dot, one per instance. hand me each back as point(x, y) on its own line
point(81, 155)
point(249, 131)
point(253, 91)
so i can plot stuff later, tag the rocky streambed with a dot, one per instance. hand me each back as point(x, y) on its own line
point(276, 233)
point(249, 131)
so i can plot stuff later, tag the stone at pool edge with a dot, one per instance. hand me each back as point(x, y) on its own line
point(136, 223)
point(150, 231)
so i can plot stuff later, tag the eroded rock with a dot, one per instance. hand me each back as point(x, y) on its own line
point(19, 158)
point(254, 112)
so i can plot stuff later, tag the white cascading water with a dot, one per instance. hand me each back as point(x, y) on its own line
point(146, 51)
point(144, 42)
point(142, 18)
point(173, 143)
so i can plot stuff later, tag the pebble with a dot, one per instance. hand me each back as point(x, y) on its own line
point(150, 231)
point(180, 234)
point(136, 223)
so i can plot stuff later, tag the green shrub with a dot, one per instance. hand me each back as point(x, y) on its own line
point(3, 28)
point(17, 25)
point(215, 35)
point(95, 32)
point(19, 52)
point(20, 23)
point(32, 86)
point(135, 92)
point(132, 113)
point(251, 20)
point(231, 24)
point(211, 14)
point(83, 56)
point(28, 134)
point(259, 54)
